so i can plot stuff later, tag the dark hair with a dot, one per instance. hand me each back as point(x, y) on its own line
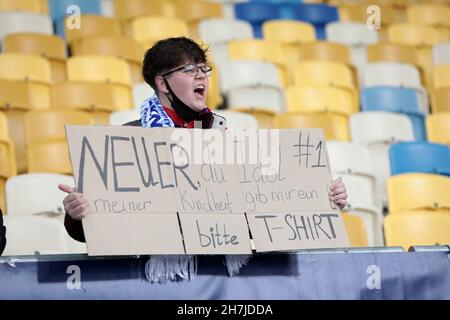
point(170, 53)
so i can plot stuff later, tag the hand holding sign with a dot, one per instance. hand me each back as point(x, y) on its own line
point(75, 204)
point(338, 194)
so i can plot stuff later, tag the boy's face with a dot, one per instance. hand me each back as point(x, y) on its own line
point(190, 84)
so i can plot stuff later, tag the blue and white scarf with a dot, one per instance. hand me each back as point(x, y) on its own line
point(163, 268)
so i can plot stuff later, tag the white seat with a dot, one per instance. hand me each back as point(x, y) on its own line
point(441, 53)
point(361, 201)
point(217, 33)
point(373, 127)
point(253, 74)
point(396, 75)
point(141, 92)
point(28, 234)
point(218, 30)
point(118, 118)
point(379, 156)
point(348, 157)
point(14, 22)
point(352, 34)
point(262, 98)
point(35, 193)
point(238, 120)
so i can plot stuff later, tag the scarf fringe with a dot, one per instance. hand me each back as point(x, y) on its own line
point(160, 269)
point(235, 263)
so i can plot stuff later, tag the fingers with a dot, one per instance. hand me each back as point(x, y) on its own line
point(80, 211)
point(341, 196)
point(341, 203)
point(337, 191)
point(337, 184)
point(66, 188)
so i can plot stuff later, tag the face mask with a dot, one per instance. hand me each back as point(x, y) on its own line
point(179, 106)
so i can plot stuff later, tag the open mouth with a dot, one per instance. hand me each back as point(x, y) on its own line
point(200, 91)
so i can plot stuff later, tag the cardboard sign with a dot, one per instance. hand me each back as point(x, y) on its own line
point(175, 191)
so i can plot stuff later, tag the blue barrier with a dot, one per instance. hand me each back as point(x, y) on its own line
point(359, 273)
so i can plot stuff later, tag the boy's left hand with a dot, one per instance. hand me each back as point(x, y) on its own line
point(338, 193)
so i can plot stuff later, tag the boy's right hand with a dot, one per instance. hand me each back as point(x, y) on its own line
point(75, 204)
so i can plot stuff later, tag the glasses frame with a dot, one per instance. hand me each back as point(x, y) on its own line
point(184, 69)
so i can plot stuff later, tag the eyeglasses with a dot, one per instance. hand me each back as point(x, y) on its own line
point(191, 70)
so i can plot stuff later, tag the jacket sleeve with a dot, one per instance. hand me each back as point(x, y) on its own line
point(74, 228)
point(2, 234)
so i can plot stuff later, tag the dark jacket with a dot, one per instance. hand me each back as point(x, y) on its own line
point(2, 234)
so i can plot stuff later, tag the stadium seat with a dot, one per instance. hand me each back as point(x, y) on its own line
point(418, 191)
point(309, 99)
point(50, 47)
point(93, 25)
point(358, 13)
point(326, 73)
point(103, 69)
point(441, 76)
point(260, 50)
point(266, 99)
point(219, 32)
point(414, 35)
point(238, 120)
point(44, 125)
point(299, 32)
point(349, 158)
point(85, 96)
point(36, 193)
point(384, 51)
point(396, 75)
point(14, 95)
point(16, 128)
point(361, 202)
point(141, 92)
point(36, 6)
point(316, 14)
point(440, 100)
point(59, 9)
point(380, 127)
point(32, 70)
point(257, 14)
point(438, 128)
point(192, 12)
point(126, 10)
point(356, 230)
point(324, 50)
point(118, 118)
point(50, 156)
point(391, 99)
point(120, 47)
point(422, 157)
point(429, 14)
point(148, 30)
point(441, 53)
point(7, 166)
point(335, 126)
point(417, 228)
point(28, 234)
point(253, 74)
point(351, 34)
point(15, 22)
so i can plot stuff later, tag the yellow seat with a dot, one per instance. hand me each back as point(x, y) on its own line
point(412, 191)
point(429, 14)
point(148, 30)
point(30, 69)
point(14, 95)
point(414, 35)
point(358, 13)
point(51, 156)
point(129, 9)
point(440, 100)
point(214, 98)
point(16, 128)
point(356, 230)
point(7, 159)
point(326, 73)
point(103, 69)
point(120, 47)
point(309, 99)
point(324, 50)
point(416, 228)
point(36, 6)
point(260, 50)
point(192, 12)
point(438, 127)
point(85, 96)
point(50, 47)
point(441, 76)
point(299, 32)
point(335, 126)
point(44, 125)
point(93, 25)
